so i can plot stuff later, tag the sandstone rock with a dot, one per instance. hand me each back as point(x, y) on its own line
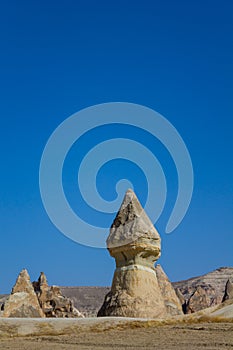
point(51, 300)
point(228, 290)
point(22, 301)
point(172, 302)
point(135, 244)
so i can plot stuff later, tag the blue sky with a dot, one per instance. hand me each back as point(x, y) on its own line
point(58, 57)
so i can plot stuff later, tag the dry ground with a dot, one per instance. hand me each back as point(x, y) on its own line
point(131, 335)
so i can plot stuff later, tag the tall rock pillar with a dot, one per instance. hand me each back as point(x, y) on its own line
point(135, 244)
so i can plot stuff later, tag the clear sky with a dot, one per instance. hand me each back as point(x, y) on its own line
point(58, 57)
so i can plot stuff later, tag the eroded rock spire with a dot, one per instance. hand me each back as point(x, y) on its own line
point(135, 244)
point(23, 301)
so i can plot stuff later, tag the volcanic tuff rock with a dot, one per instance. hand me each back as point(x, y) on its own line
point(135, 244)
point(132, 229)
point(89, 299)
point(22, 301)
point(228, 290)
point(3, 298)
point(200, 299)
point(180, 297)
point(37, 299)
point(171, 300)
point(51, 300)
point(204, 291)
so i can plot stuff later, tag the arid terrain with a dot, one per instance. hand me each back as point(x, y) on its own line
point(127, 335)
point(210, 327)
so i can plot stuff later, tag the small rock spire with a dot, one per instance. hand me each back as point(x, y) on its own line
point(23, 301)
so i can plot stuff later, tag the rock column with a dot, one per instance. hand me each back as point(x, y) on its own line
point(135, 244)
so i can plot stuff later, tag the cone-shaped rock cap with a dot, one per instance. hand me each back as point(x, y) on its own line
point(23, 283)
point(132, 225)
point(23, 301)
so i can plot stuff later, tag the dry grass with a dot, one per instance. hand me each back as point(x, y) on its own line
point(52, 329)
point(8, 331)
point(158, 323)
point(143, 335)
point(45, 329)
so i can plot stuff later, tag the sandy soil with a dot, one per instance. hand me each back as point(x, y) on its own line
point(207, 336)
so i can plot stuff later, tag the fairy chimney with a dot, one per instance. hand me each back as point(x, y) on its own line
point(23, 301)
point(135, 244)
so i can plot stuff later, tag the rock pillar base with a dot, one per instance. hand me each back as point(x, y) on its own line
point(135, 293)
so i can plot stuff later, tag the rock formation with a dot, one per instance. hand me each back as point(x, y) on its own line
point(51, 300)
point(171, 300)
point(200, 299)
point(3, 298)
point(181, 299)
point(37, 299)
point(228, 294)
point(135, 244)
point(22, 301)
point(204, 291)
point(89, 300)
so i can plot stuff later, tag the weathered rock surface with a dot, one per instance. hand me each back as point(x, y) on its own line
point(51, 300)
point(171, 300)
point(132, 229)
point(217, 279)
point(181, 298)
point(224, 309)
point(204, 291)
point(22, 301)
point(200, 299)
point(135, 244)
point(134, 293)
point(3, 299)
point(228, 290)
point(37, 299)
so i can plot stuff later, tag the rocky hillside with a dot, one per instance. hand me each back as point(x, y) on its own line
point(87, 299)
point(204, 291)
